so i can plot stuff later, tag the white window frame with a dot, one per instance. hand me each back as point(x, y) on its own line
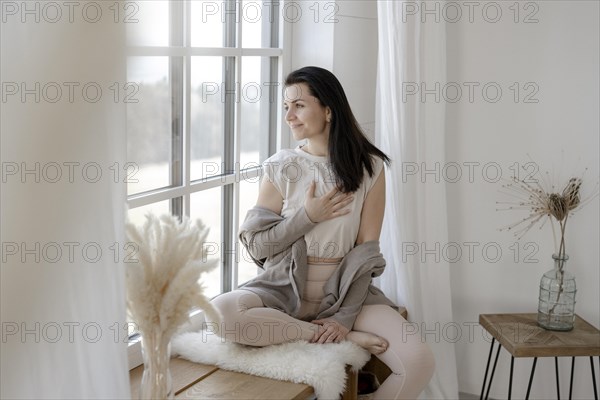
point(187, 187)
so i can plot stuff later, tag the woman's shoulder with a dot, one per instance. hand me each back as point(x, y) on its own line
point(378, 164)
point(282, 156)
point(285, 165)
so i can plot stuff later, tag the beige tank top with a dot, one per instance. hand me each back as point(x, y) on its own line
point(291, 171)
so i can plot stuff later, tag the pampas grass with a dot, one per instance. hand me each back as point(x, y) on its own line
point(163, 286)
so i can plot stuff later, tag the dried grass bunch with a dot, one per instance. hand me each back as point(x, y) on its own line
point(537, 194)
point(163, 283)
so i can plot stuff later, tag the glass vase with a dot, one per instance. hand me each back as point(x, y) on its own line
point(556, 307)
point(156, 379)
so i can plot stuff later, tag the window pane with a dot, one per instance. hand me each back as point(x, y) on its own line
point(207, 23)
point(256, 23)
point(207, 114)
point(247, 269)
point(206, 206)
point(147, 22)
point(257, 95)
point(137, 216)
point(149, 124)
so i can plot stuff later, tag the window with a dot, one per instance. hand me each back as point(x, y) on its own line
point(205, 115)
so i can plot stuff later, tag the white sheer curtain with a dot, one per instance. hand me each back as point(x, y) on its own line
point(62, 207)
point(411, 132)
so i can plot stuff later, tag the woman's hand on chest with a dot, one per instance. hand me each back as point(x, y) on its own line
point(328, 206)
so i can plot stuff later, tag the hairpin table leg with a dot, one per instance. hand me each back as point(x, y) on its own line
point(512, 364)
point(531, 378)
point(487, 367)
point(594, 376)
point(487, 393)
point(571, 383)
point(557, 384)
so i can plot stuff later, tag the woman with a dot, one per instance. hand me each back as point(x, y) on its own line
point(315, 231)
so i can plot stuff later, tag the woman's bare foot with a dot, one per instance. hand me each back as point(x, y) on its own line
point(369, 341)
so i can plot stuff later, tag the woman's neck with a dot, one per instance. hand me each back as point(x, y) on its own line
point(315, 148)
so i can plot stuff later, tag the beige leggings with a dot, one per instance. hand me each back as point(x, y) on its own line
point(245, 319)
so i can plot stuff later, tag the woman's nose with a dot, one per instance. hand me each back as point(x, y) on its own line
point(289, 115)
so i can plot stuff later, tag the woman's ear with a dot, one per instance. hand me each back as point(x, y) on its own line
point(328, 114)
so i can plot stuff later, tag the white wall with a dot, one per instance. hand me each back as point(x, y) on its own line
point(341, 37)
point(559, 54)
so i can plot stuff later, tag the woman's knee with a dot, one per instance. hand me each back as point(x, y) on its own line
point(418, 351)
point(420, 360)
point(406, 354)
point(231, 305)
point(414, 362)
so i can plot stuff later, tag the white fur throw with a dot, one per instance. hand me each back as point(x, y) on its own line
point(321, 366)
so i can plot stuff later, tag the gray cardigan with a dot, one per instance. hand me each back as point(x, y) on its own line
point(277, 245)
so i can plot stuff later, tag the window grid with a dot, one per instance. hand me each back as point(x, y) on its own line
point(180, 53)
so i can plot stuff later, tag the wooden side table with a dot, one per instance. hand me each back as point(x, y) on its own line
point(521, 336)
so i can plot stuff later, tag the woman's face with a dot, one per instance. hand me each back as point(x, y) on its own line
point(304, 114)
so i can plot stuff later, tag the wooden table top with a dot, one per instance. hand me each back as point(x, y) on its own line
point(523, 337)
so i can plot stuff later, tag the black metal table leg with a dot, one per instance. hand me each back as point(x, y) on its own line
point(594, 376)
point(531, 378)
point(571, 384)
point(512, 364)
point(487, 367)
point(487, 393)
point(557, 384)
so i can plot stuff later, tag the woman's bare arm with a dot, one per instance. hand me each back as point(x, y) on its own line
point(269, 197)
point(373, 208)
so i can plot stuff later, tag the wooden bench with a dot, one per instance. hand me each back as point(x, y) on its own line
point(199, 381)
